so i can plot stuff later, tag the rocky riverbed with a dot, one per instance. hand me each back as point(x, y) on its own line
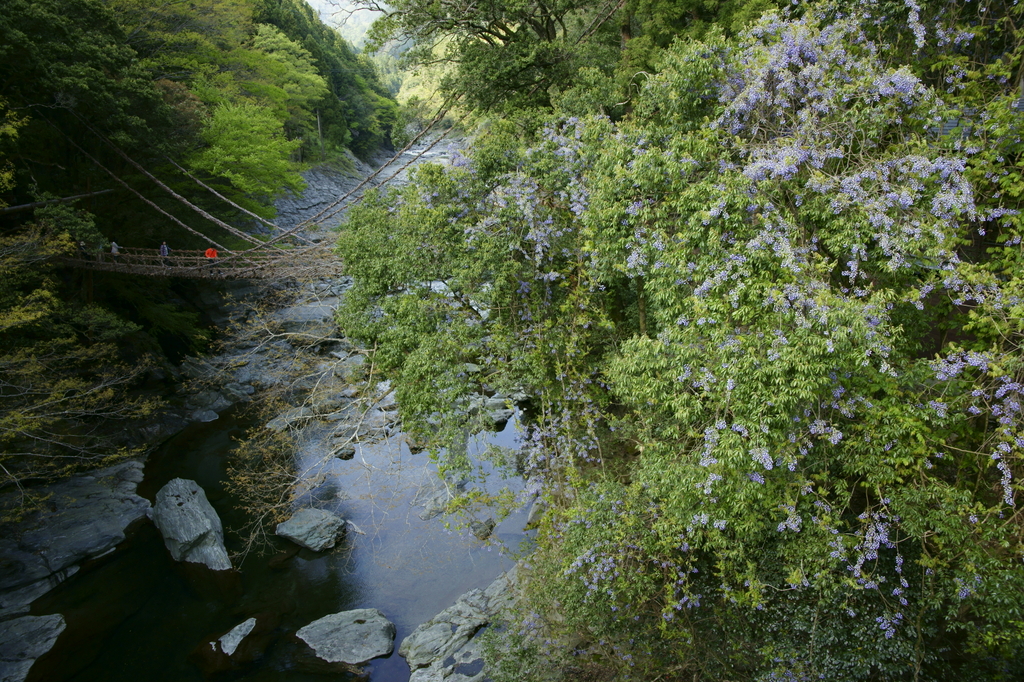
point(354, 464)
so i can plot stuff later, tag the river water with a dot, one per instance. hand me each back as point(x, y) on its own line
point(136, 615)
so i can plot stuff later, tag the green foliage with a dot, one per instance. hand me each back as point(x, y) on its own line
point(65, 386)
point(261, 475)
point(581, 58)
point(765, 459)
point(82, 64)
point(419, 290)
point(210, 84)
point(296, 74)
point(246, 144)
point(9, 124)
point(506, 54)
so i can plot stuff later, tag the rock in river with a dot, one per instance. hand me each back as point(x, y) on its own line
point(85, 518)
point(236, 648)
point(23, 640)
point(482, 529)
point(309, 323)
point(350, 636)
point(315, 529)
point(445, 646)
point(289, 417)
point(190, 526)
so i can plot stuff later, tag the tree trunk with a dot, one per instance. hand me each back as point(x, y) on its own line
point(641, 305)
point(37, 204)
point(320, 133)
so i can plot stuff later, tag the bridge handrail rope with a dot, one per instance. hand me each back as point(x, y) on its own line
point(255, 258)
point(178, 258)
point(438, 117)
point(223, 198)
point(226, 259)
point(131, 189)
point(408, 163)
point(442, 111)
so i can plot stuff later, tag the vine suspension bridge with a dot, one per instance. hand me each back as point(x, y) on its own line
point(274, 257)
point(254, 264)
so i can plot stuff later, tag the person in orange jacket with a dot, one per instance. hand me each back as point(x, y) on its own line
point(211, 256)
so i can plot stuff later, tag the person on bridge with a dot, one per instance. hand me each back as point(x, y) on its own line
point(211, 256)
point(83, 252)
point(115, 250)
point(165, 251)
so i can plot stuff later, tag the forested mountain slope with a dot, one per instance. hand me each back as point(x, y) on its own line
point(103, 98)
point(762, 275)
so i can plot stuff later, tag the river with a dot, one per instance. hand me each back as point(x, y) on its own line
point(136, 615)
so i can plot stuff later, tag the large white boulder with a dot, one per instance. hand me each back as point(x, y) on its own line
point(191, 529)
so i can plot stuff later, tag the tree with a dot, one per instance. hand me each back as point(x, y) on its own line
point(763, 459)
point(503, 52)
point(297, 75)
point(246, 144)
point(9, 124)
point(358, 111)
point(65, 384)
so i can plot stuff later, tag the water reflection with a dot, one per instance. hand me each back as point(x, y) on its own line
point(137, 615)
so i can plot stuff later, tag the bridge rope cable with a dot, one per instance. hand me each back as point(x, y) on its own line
point(261, 244)
point(316, 219)
point(402, 168)
point(325, 214)
point(232, 256)
point(223, 198)
point(213, 219)
point(131, 189)
point(438, 117)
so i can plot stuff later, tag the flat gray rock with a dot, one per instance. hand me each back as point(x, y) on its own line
point(23, 640)
point(237, 393)
point(357, 424)
point(352, 368)
point(482, 529)
point(86, 518)
point(466, 665)
point(308, 323)
point(315, 529)
point(352, 637)
point(191, 529)
point(323, 187)
point(537, 510)
point(204, 416)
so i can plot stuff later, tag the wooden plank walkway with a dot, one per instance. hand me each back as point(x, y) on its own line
point(195, 264)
